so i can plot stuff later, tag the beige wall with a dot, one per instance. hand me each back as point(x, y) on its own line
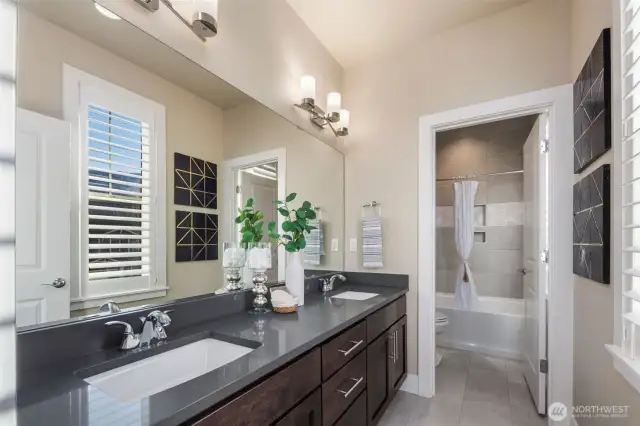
point(194, 126)
point(523, 49)
point(315, 171)
point(595, 380)
point(496, 258)
point(262, 48)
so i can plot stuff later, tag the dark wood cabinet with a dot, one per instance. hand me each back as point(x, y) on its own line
point(378, 389)
point(349, 380)
point(356, 415)
point(343, 388)
point(308, 413)
point(266, 402)
point(398, 360)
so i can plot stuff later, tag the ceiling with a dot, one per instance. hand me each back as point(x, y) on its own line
point(356, 30)
point(136, 46)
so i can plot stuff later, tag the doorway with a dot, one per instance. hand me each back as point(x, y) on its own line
point(551, 368)
point(260, 184)
point(262, 177)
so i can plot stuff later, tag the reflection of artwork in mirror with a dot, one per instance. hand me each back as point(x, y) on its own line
point(195, 182)
point(196, 236)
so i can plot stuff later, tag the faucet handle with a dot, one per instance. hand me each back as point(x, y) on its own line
point(127, 327)
point(130, 340)
point(160, 317)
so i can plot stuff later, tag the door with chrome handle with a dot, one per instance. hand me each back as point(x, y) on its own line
point(394, 344)
point(57, 283)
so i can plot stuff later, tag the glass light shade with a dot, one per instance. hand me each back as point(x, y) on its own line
point(106, 12)
point(308, 87)
point(207, 6)
point(334, 102)
point(345, 118)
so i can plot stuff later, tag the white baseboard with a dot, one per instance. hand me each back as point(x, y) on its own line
point(411, 384)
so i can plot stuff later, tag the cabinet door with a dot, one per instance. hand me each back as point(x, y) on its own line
point(308, 413)
point(378, 387)
point(398, 365)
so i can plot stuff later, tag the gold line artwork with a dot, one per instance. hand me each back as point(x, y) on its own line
point(198, 243)
point(195, 182)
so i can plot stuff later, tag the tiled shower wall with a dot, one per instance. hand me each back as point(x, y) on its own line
point(496, 258)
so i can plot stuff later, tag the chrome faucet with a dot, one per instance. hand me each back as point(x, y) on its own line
point(327, 284)
point(152, 328)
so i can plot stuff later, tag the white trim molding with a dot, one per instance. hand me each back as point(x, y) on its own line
point(80, 89)
point(557, 102)
point(8, 37)
point(229, 168)
point(411, 384)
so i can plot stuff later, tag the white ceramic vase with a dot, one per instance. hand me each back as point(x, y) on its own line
point(294, 278)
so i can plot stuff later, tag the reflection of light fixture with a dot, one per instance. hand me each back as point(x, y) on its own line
point(106, 12)
point(317, 115)
point(201, 16)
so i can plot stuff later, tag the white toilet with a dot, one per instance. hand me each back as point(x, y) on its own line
point(441, 322)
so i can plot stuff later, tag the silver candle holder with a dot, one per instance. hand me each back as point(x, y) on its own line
point(233, 259)
point(259, 260)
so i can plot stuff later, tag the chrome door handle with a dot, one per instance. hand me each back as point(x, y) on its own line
point(524, 271)
point(57, 283)
point(355, 345)
point(347, 393)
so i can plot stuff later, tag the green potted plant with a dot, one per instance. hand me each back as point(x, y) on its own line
point(252, 231)
point(294, 226)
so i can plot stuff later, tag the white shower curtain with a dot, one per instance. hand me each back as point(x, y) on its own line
point(465, 193)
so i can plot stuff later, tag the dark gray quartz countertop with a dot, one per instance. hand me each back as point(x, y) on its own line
point(60, 397)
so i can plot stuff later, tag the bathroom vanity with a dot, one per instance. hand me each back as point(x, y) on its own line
point(347, 380)
point(334, 362)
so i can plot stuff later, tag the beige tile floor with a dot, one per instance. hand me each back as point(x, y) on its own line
point(471, 390)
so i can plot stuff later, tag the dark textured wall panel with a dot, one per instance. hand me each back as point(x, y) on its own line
point(592, 105)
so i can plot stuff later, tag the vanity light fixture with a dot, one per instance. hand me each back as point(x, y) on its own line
point(201, 16)
point(106, 12)
point(335, 118)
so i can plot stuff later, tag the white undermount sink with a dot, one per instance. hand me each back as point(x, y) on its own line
point(155, 374)
point(354, 295)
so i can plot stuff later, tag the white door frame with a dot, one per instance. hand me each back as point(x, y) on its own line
point(229, 168)
point(8, 37)
point(558, 101)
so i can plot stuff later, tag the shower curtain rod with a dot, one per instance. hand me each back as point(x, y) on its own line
point(476, 176)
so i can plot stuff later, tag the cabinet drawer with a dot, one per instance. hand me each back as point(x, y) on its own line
point(356, 415)
point(343, 348)
point(343, 388)
point(381, 320)
point(307, 413)
point(267, 401)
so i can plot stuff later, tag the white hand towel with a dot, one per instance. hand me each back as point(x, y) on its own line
point(372, 242)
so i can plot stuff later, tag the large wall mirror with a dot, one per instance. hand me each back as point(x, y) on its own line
point(131, 164)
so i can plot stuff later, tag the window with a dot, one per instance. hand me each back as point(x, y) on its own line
point(118, 187)
point(626, 212)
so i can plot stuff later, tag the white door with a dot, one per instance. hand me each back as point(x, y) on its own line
point(42, 218)
point(264, 192)
point(535, 272)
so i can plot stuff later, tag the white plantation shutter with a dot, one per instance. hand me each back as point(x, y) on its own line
point(118, 198)
point(118, 186)
point(630, 174)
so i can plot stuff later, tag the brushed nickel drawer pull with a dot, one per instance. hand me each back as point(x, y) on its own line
point(355, 345)
point(347, 393)
point(392, 337)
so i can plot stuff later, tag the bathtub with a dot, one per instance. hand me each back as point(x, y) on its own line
point(494, 327)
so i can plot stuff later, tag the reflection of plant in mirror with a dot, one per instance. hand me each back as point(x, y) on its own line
point(252, 224)
point(295, 224)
